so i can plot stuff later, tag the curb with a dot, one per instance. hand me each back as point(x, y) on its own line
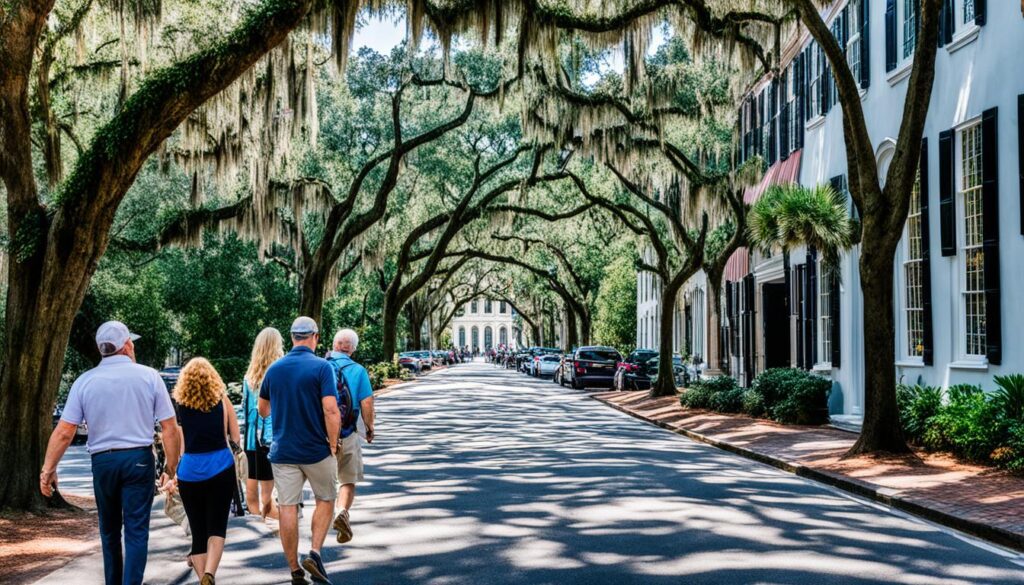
point(881, 495)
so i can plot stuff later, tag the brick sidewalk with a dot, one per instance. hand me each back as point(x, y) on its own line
point(978, 500)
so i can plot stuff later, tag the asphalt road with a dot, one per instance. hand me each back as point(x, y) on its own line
point(486, 477)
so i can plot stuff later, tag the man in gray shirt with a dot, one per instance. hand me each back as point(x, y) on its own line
point(120, 401)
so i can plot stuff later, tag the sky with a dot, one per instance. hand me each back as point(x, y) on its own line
point(382, 35)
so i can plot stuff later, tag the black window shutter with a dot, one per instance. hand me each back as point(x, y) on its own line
point(928, 354)
point(1020, 155)
point(812, 307)
point(946, 23)
point(798, 110)
point(787, 276)
point(947, 206)
point(773, 121)
point(784, 139)
point(834, 312)
point(748, 327)
point(980, 14)
point(990, 241)
point(806, 91)
point(796, 304)
point(890, 35)
point(865, 44)
point(826, 76)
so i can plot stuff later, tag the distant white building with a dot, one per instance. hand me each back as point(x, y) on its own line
point(484, 323)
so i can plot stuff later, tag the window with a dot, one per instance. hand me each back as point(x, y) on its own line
point(472, 307)
point(766, 128)
point(462, 337)
point(908, 17)
point(814, 87)
point(501, 308)
point(853, 43)
point(488, 308)
point(967, 10)
point(824, 313)
point(972, 256)
point(912, 271)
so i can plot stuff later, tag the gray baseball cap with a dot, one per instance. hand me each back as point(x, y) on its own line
point(111, 337)
point(304, 327)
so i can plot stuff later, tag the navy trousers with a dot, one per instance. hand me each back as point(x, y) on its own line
point(124, 485)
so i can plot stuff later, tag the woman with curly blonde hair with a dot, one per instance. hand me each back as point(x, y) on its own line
point(259, 487)
point(206, 473)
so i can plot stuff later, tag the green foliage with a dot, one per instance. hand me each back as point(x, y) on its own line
point(753, 403)
point(773, 384)
point(917, 404)
point(712, 392)
point(1010, 454)
point(615, 322)
point(969, 425)
point(805, 402)
point(792, 215)
point(382, 371)
point(1009, 398)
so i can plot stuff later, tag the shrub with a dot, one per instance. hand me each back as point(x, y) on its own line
point(970, 425)
point(697, 396)
point(917, 405)
point(753, 403)
point(730, 400)
point(793, 396)
point(1010, 455)
point(774, 384)
point(805, 402)
point(1010, 397)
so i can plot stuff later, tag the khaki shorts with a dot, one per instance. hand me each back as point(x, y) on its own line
point(289, 479)
point(350, 459)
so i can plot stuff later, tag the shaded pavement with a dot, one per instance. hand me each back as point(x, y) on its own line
point(481, 475)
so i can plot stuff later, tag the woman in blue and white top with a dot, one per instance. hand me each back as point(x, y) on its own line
point(206, 472)
point(259, 488)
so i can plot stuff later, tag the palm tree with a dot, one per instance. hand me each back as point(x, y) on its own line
point(791, 215)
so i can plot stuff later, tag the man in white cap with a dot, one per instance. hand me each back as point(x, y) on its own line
point(120, 401)
point(301, 391)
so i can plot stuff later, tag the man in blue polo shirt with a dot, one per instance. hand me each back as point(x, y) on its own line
point(300, 390)
point(350, 455)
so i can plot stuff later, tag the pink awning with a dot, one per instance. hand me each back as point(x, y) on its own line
point(738, 265)
point(780, 173)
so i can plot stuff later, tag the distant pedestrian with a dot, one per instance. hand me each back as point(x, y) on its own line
point(359, 404)
point(121, 401)
point(259, 432)
point(206, 473)
point(300, 391)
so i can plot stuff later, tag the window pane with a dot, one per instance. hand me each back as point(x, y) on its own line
point(912, 270)
point(909, 27)
point(973, 257)
point(968, 11)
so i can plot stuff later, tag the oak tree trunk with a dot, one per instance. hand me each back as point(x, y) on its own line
point(571, 339)
point(881, 430)
point(666, 383)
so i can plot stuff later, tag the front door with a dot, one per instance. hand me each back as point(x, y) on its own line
point(776, 325)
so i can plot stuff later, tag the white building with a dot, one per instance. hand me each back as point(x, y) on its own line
point(484, 323)
point(958, 270)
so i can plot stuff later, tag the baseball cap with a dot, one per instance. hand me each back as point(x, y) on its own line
point(111, 337)
point(304, 327)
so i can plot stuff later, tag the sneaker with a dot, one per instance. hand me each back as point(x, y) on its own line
point(316, 568)
point(343, 526)
point(299, 577)
point(208, 580)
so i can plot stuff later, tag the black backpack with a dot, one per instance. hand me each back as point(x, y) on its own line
point(346, 402)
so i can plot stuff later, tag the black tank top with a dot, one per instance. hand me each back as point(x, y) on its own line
point(204, 431)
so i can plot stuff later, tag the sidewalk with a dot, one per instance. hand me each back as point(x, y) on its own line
point(977, 500)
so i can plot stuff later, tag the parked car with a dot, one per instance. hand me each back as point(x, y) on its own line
point(547, 364)
point(630, 373)
point(170, 376)
point(591, 366)
point(410, 361)
point(81, 433)
point(533, 365)
point(426, 360)
point(678, 368)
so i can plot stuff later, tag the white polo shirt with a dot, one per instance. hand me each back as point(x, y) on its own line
point(121, 401)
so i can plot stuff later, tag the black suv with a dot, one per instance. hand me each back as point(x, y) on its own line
point(592, 366)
